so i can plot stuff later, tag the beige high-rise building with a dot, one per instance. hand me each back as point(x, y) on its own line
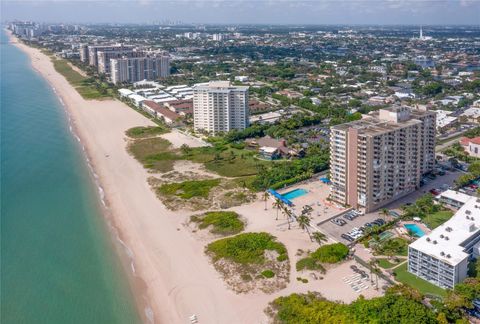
point(380, 158)
point(220, 107)
point(133, 69)
point(100, 55)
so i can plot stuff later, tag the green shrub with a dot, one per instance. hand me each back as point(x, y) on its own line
point(246, 248)
point(189, 189)
point(282, 257)
point(222, 222)
point(268, 274)
point(311, 308)
point(310, 263)
point(141, 132)
point(331, 253)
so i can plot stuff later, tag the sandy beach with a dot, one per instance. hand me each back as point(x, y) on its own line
point(172, 277)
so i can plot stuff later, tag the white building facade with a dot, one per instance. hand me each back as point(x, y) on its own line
point(442, 256)
point(220, 107)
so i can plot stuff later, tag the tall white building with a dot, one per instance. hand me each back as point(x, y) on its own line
point(134, 69)
point(442, 256)
point(220, 107)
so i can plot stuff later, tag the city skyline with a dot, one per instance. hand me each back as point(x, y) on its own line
point(321, 12)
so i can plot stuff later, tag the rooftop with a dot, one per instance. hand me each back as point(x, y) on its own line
point(384, 121)
point(445, 242)
point(455, 195)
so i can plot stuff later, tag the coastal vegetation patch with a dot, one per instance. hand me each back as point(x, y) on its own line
point(145, 132)
point(189, 189)
point(394, 307)
point(227, 193)
point(330, 253)
point(251, 261)
point(87, 87)
point(143, 150)
point(224, 160)
point(220, 222)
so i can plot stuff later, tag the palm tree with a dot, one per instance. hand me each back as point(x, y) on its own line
point(319, 237)
point(375, 270)
point(304, 223)
point(385, 213)
point(265, 197)
point(277, 204)
point(371, 263)
point(288, 213)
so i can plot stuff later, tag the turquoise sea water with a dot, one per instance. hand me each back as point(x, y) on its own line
point(58, 264)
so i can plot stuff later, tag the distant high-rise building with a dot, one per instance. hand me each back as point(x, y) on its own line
point(83, 53)
point(380, 158)
point(104, 58)
point(94, 50)
point(220, 107)
point(133, 69)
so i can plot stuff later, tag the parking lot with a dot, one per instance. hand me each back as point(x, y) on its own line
point(335, 231)
point(440, 181)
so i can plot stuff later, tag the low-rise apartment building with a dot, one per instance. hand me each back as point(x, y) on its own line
point(442, 256)
point(380, 158)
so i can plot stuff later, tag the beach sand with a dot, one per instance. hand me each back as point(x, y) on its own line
point(172, 275)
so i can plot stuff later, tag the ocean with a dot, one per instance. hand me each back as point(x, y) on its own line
point(58, 262)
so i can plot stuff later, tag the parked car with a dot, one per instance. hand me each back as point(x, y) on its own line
point(347, 237)
point(435, 192)
point(338, 221)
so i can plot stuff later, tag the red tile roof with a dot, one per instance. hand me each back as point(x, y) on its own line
point(465, 140)
point(161, 110)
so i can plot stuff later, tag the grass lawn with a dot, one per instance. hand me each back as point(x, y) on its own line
point(189, 189)
point(437, 219)
point(221, 222)
point(157, 154)
point(226, 161)
point(143, 132)
point(154, 153)
point(397, 245)
point(385, 264)
point(403, 276)
point(247, 248)
point(86, 87)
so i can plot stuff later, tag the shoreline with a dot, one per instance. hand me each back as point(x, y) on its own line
point(165, 288)
point(124, 253)
point(171, 277)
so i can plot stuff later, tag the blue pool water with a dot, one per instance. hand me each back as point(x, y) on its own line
point(415, 229)
point(295, 194)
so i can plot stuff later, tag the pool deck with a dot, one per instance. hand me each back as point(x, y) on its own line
point(420, 225)
point(316, 198)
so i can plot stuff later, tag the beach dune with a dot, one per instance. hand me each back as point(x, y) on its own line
point(172, 277)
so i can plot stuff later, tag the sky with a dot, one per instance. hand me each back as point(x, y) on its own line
point(364, 12)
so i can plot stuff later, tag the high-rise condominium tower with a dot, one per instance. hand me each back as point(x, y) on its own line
point(380, 158)
point(220, 107)
point(133, 69)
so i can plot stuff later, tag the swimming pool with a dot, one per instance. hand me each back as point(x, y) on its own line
point(417, 231)
point(294, 193)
